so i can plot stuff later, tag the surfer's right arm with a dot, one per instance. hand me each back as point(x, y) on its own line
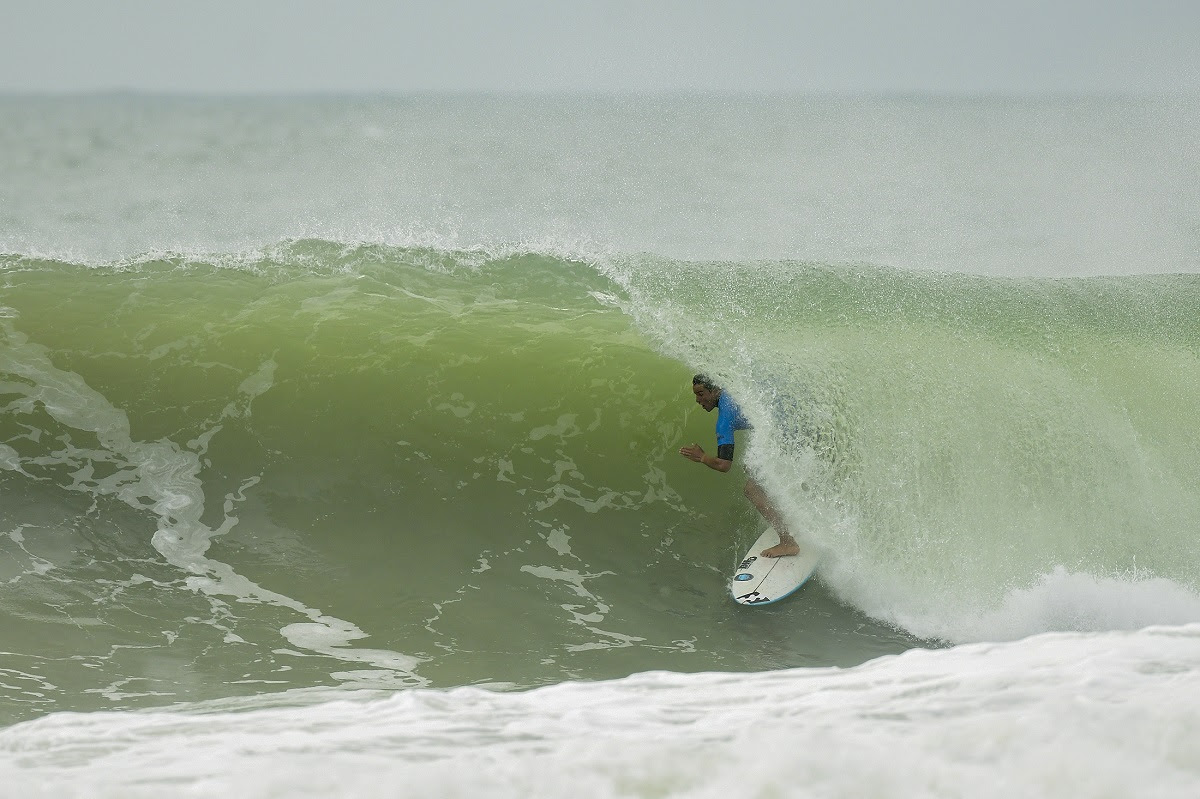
point(696, 453)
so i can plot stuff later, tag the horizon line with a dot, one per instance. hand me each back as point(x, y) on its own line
point(893, 93)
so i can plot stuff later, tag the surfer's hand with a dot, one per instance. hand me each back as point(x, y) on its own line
point(693, 453)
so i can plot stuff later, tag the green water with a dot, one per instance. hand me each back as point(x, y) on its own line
point(399, 403)
point(474, 462)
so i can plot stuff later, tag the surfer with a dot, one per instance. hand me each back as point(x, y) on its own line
point(730, 418)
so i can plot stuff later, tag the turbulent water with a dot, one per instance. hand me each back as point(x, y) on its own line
point(350, 427)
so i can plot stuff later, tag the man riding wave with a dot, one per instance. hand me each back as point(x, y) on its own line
point(709, 396)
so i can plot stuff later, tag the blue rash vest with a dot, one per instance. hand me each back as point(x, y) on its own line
point(729, 418)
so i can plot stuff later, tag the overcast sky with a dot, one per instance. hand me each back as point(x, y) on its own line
point(955, 46)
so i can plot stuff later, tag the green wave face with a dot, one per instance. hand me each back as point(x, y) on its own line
point(468, 459)
point(473, 456)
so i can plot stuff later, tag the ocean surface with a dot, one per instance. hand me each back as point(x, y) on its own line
point(339, 445)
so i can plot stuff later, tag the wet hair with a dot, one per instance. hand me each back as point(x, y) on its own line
point(703, 380)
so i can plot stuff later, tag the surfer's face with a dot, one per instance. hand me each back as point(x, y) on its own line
point(706, 398)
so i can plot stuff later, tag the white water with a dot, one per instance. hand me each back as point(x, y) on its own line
point(1079, 715)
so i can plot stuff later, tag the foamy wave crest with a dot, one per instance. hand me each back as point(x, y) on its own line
point(1098, 713)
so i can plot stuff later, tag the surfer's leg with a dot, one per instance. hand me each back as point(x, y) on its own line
point(787, 545)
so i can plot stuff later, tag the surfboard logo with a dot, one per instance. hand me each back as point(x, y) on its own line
point(760, 580)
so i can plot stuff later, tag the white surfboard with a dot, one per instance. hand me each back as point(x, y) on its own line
point(761, 581)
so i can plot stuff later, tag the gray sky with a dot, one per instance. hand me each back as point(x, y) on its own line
point(1016, 46)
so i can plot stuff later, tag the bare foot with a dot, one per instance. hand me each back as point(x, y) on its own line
point(786, 546)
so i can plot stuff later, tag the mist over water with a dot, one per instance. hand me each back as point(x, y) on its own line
point(1053, 186)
